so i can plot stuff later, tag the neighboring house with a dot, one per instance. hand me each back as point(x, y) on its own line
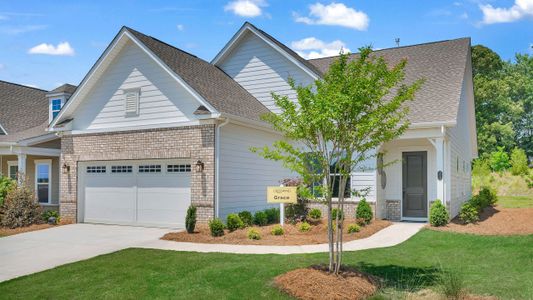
point(27, 151)
point(152, 129)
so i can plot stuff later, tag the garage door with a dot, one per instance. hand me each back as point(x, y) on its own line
point(148, 193)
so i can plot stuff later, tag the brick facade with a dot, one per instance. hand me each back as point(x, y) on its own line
point(191, 142)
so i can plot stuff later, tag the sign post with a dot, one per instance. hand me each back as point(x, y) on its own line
point(281, 195)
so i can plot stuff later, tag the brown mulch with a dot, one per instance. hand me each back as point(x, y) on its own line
point(5, 231)
point(317, 235)
point(316, 283)
point(496, 221)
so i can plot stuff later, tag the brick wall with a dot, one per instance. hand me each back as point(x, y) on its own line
point(191, 142)
point(349, 208)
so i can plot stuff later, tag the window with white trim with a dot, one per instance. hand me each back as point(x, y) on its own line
point(178, 168)
point(121, 169)
point(56, 107)
point(12, 169)
point(43, 174)
point(131, 102)
point(150, 169)
point(96, 169)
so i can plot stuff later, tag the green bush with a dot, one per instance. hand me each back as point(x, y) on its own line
point(304, 227)
point(519, 165)
point(6, 184)
point(253, 234)
point(20, 208)
point(190, 219)
point(272, 215)
point(277, 230)
point(477, 202)
point(234, 222)
point(499, 160)
point(246, 218)
point(469, 213)
point(315, 214)
point(216, 227)
point(488, 196)
point(47, 215)
point(438, 215)
point(260, 218)
point(353, 228)
point(334, 213)
point(364, 211)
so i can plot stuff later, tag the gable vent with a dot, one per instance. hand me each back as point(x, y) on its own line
point(131, 102)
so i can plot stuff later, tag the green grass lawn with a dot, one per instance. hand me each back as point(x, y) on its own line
point(515, 201)
point(501, 266)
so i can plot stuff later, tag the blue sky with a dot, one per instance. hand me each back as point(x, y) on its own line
point(47, 43)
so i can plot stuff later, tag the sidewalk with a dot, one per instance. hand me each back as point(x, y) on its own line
point(390, 236)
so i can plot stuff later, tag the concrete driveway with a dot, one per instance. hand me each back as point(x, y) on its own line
point(35, 251)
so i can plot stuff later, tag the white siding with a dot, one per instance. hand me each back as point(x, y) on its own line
point(261, 70)
point(244, 176)
point(162, 99)
point(364, 178)
point(460, 145)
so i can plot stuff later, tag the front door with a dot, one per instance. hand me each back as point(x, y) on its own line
point(414, 183)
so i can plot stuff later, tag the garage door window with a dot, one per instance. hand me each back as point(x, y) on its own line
point(121, 169)
point(178, 168)
point(150, 169)
point(96, 169)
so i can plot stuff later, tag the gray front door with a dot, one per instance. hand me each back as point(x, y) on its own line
point(414, 183)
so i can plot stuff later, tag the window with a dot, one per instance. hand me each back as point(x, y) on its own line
point(96, 169)
point(13, 169)
point(150, 169)
point(56, 107)
point(131, 102)
point(121, 169)
point(42, 181)
point(178, 168)
point(336, 181)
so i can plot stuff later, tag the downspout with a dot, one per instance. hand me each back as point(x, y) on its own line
point(217, 164)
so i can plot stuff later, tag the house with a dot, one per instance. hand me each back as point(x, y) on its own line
point(152, 129)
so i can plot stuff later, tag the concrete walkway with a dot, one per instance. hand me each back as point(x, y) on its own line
point(390, 236)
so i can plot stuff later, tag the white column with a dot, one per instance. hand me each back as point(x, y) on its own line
point(439, 153)
point(21, 168)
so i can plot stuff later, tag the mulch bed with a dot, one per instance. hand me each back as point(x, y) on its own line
point(496, 221)
point(5, 231)
point(316, 283)
point(317, 235)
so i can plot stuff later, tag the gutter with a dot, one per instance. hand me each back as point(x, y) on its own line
point(217, 164)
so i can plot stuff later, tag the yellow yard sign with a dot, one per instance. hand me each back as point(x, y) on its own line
point(278, 194)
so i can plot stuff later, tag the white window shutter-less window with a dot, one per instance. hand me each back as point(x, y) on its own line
point(131, 102)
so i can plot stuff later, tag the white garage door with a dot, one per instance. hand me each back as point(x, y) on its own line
point(149, 193)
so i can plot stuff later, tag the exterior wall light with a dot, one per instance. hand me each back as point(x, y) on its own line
point(199, 165)
point(66, 168)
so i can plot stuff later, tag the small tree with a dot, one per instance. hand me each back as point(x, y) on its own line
point(519, 165)
point(336, 124)
point(499, 160)
point(190, 219)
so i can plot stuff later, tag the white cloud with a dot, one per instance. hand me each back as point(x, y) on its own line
point(312, 47)
point(521, 9)
point(180, 27)
point(246, 8)
point(335, 14)
point(63, 48)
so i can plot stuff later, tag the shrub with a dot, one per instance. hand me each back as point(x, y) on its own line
point(6, 184)
point(190, 219)
point(360, 221)
point(519, 165)
point(353, 228)
point(277, 230)
point(246, 218)
point(438, 215)
point(477, 202)
point(272, 215)
point(304, 227)
point(216, 227)
point(260, 218)
point(315, 214)
point(499, 160)
point(488, 196)
point(234, 222)
point(334, 213)
point(51, 217)
point(469, 213)
point(364, 211)
point(253, 234)
point(20, 208)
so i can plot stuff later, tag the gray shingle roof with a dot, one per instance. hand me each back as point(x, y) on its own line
point(441, 64)
point(215, 86)
point(24, 111)
point(65, 88)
